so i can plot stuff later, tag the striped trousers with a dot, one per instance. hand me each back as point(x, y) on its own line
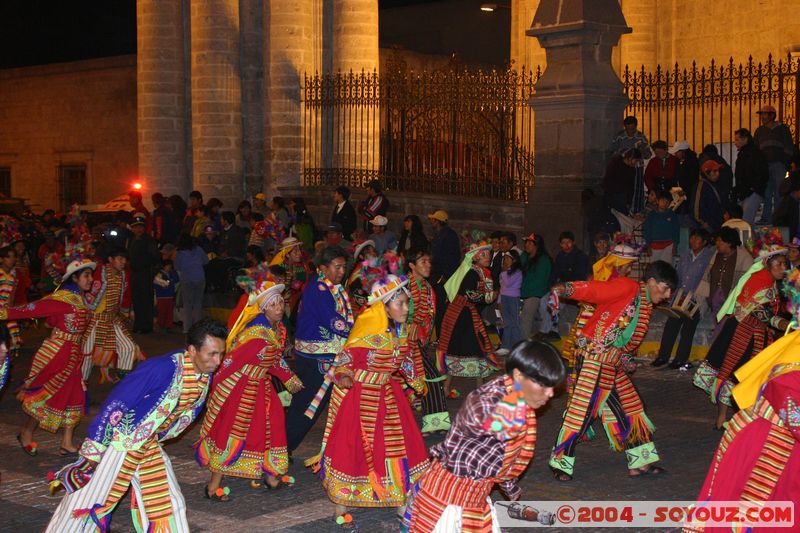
point(97, 490)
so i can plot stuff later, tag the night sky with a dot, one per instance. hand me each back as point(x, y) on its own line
point(36, 32)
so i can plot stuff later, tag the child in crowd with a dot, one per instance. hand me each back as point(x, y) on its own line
point(510, 285)
point(662, 229)
point(164, 284)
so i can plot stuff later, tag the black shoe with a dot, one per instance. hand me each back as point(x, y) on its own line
point(554, 336)
point(675, 365)
point(658, 362)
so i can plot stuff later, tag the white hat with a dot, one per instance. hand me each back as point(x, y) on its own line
point(78, 264)
point(290, 242)
point(623, 251)
point(385, 289)
point(379, 220)
point(679, 145)
point(266, 291)
point(360, 247)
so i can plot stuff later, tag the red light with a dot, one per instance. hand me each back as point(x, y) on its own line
point(137, 186)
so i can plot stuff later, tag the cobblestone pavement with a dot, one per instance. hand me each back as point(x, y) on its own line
point(680, 412)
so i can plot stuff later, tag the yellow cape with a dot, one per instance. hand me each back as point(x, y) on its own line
point(604, 268)
point(756, 372)
point(372, 322)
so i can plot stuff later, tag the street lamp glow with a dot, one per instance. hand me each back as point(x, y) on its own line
point(137, 186)
point(488, 7)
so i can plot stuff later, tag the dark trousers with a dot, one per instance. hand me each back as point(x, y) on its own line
point(674, 326)
point(142, 299)
point(441, 305)
point(297, 423)
point(434, 401)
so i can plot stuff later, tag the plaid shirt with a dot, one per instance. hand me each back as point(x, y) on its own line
point(469, 450)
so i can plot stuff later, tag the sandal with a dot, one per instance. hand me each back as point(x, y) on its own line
point(560, 475)
point(283, 481)
point(31, 449)
point(220, 495)
point(652, 471)
point(66, 452)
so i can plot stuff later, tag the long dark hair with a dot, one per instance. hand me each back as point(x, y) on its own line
point(541, 252)
point(418, 238)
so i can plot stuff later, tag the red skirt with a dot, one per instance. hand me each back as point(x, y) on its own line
point(251, 409)
point(53, 393)
point(346, 474)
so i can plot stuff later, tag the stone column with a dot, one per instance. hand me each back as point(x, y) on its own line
point(252, 59)
point(355, 51)
point(289, 54)
point(160, 102)
point(216, 100)
point(578, 106)
point(525, 51)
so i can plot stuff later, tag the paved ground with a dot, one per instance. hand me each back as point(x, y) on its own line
point(684, 438)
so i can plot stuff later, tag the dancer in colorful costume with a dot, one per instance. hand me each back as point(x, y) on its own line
point(298, 272)
point(758, 457)
point(617, 263)
point(366, 269)
point(154, 403)
point(464, 347)
point(751, 324)
point(108, 344)
point(5, 354)
point(622, 316)
point(422, 311)
point(244, 433)
point(53, 394)
point(491, 443)
point(8, 289)
point(324, 320)
point(372, 451)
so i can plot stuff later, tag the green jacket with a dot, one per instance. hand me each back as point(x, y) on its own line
point(536, 280)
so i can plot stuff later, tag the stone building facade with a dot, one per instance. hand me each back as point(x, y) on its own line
point(666, 32)
point(211, 101)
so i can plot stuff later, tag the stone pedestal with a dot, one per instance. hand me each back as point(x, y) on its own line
point(161, 97)
point(216, 100)
point(578, 107)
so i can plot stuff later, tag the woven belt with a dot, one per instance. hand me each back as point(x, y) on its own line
point(372, 377)
point(65, 336)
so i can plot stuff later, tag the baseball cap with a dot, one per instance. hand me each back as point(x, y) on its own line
point(766, 109)
point(680, 145)
point(335, 227)
point(261, 196)
point(379, 220)
point(439, 214)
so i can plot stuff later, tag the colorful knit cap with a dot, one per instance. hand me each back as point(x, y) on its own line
point(384, 289)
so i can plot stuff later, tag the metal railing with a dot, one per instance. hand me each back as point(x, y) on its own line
point(705, 105)
point(451, 131)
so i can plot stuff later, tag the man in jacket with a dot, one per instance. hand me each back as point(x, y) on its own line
point(344, 213)
point(708, 205)
point(752, 174)
point(775, 141)
point(446, 258)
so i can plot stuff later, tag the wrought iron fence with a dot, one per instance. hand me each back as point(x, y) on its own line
point(705, 105)
point(453, 131)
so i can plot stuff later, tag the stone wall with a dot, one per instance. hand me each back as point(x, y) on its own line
point(465, 213)
point(69, 113)
point(670, 31)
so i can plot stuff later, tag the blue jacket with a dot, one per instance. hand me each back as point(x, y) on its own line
point(446, 253)
point(662, 226)
point(708, 206)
